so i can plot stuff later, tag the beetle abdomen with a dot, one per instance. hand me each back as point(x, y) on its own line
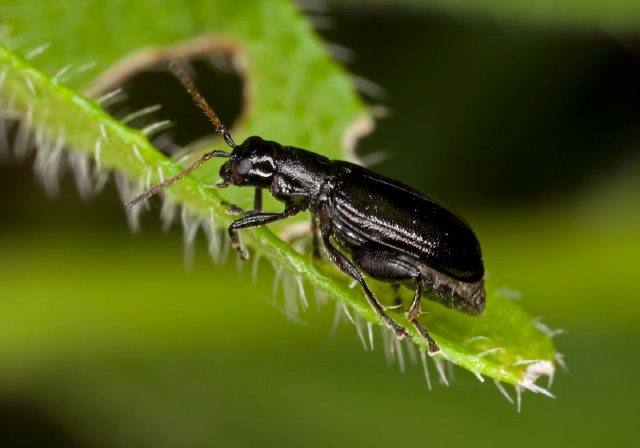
point(460, 295)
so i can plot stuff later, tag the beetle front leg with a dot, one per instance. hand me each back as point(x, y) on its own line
point(256, 220)
point(236, 210)
point(257, 201)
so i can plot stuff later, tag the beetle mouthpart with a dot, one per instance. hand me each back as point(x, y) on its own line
point(226, 173)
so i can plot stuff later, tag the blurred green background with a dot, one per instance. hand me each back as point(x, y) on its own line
point(530, 131)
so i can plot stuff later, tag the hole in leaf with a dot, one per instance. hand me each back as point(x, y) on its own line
point(215, 77)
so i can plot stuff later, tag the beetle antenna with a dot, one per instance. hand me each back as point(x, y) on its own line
point(201, 102)
point(153, 190)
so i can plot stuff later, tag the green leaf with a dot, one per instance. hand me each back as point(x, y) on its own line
point(296, 94)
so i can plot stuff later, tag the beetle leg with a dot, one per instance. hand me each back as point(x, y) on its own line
point(413, 312)
point(433, 347)
point(255, 220)
point(315, 240)
point(236, 210)
point(349, 269)
point(390, 268)
point(257, 201)
point(414, 309)
point(233, 209)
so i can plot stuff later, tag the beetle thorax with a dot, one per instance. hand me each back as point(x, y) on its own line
point(300, 174)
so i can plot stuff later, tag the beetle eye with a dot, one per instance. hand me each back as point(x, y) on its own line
point(243, 167)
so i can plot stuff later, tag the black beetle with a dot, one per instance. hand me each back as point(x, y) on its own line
point(392, 232)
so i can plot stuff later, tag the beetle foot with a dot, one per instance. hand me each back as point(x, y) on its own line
point(244, 255)
point(401, 332)
point(233, 209)
point(433, 347)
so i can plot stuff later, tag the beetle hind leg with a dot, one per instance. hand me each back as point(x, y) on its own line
point(413, 312)
point(342, 263)
point(390, 268)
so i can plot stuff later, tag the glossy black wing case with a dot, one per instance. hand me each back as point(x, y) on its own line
point(385, 213)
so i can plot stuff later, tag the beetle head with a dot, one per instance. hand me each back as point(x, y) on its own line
point(251, 164)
